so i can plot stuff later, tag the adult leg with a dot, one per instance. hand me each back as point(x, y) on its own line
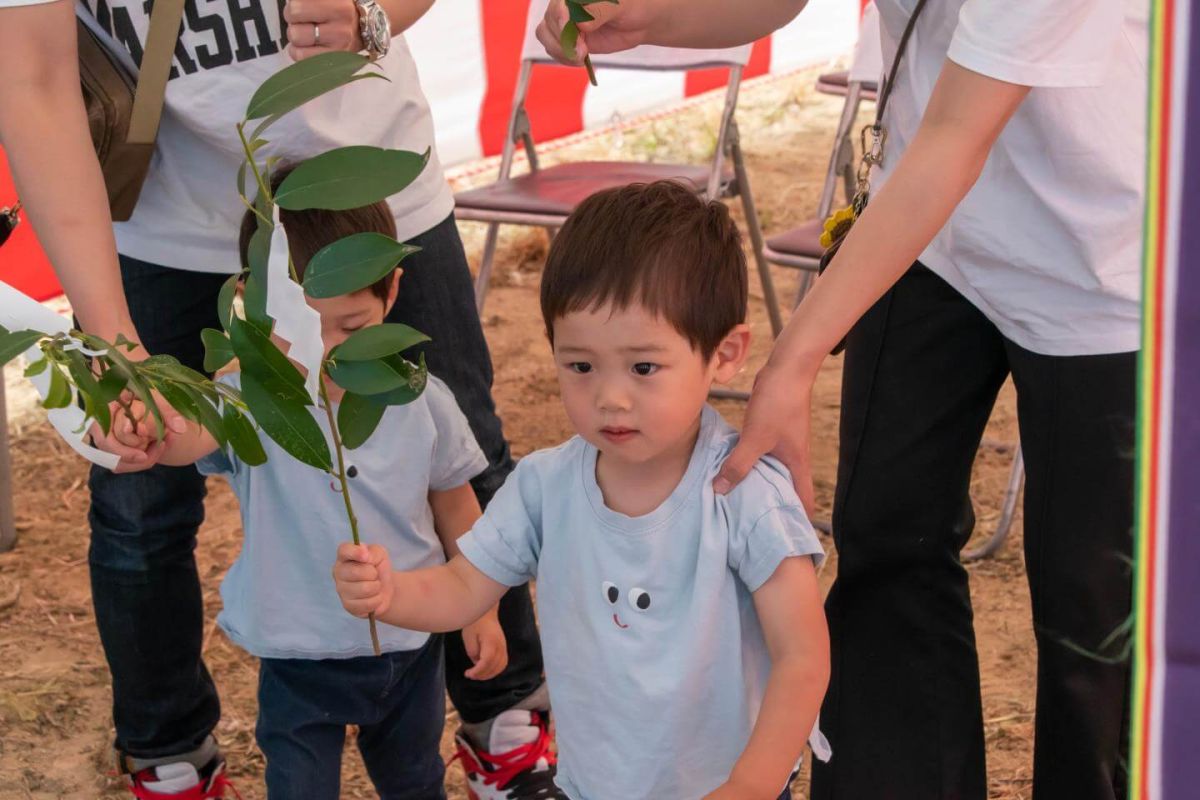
point(401, 748)
point(1077, 424)
point(145, 588)
point(437, 298)
point(303, 709)
point(903, 711)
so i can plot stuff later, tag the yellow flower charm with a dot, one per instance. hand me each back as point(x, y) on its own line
point(836, 225)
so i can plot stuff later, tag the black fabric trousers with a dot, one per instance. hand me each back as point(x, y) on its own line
point(903, 712)
point(145, 587)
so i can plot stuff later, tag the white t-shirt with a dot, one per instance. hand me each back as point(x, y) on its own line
point(1048, 242)
point(189, 213)
point(655, 656)
point(279, 599)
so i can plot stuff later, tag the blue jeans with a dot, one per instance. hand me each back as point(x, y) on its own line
point(397, 700)
point(145, 587)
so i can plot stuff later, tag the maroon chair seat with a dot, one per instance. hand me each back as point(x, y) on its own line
point(838, 83)
point(800, 242)
point(556, 191)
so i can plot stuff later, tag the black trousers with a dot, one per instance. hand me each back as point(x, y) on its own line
point(145, 588)
point(903, 712)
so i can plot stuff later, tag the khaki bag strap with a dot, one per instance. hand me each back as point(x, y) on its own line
point(151, 90)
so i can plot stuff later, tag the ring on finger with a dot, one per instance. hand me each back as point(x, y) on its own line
point(316, 34)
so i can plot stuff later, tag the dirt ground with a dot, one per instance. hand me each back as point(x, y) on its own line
point(55, 722)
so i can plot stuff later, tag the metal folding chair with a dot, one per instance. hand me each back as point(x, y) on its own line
point(545, 196)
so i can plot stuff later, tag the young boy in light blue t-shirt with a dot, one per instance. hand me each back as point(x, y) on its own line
point(409, 481)
point(685, 643)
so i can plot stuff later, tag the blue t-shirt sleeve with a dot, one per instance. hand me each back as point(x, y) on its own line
point(216, 463)
point(507, 540)
point(456, 455)
point(769, 526)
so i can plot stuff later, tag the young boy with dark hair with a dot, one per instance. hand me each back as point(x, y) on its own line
point(317, 672)
point(685, 643)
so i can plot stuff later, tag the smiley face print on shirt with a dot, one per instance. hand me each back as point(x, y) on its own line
point(638, 599)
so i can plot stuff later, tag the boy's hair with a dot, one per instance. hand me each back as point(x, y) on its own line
point(655, 244)
point(310, 230)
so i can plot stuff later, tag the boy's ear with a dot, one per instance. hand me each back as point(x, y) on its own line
point(393, 291)
point(731, 353)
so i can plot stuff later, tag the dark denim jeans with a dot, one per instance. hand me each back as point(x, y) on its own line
point(145, 587)
point(397, 700)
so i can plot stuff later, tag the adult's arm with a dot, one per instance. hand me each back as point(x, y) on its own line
point(966, 114)
point(45, 135)
point(669, 23)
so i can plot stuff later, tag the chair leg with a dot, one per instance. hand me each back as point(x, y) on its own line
point(8, 530)
point(485, 266)
point(806, 281)
point(1016, 477)
point(756, 241)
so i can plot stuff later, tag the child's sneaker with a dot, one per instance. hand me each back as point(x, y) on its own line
point(518, 764)
point(199, 775)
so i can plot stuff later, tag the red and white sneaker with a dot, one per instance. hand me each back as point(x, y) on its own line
point(518, 764)
point(182, 779)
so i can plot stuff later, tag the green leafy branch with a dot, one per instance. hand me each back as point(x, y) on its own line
point(368, 366)
point(102, 375)
point(577, 10)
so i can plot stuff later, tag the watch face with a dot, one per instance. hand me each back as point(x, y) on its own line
point(380, 29)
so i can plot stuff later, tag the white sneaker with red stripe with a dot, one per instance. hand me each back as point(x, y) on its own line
point(518, 764)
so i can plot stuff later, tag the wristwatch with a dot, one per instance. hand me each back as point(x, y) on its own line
point(375, 28)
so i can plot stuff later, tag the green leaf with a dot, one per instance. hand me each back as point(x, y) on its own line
point(418, 376)
point(36, 368)
point(287, 422)
point(296, 84)
point(567, 40)
point(254, 305)
point(578, 13)
point(349, 177)
point(13, 344)
point(377, 341)
point(210, 417)
point(181, 401)
point(225, 300)
point(242, 436)
point(111, 385)
point(85, 381)
point(357, 419)
point(372, 377)
point(258, 251)
point(353, 262)
point(217, 350)
point(271, 369)
point(59, 395)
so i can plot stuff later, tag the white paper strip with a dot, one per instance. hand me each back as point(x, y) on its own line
point(295, 320)
point(19, 311)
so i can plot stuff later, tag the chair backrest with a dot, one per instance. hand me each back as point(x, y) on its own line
point(646, 57)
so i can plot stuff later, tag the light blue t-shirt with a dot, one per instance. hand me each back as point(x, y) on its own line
point(654, 654)
point(279, 596)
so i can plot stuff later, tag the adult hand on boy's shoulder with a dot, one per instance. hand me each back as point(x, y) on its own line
point(485, 644)
point(777, 422)
point(362, 575)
